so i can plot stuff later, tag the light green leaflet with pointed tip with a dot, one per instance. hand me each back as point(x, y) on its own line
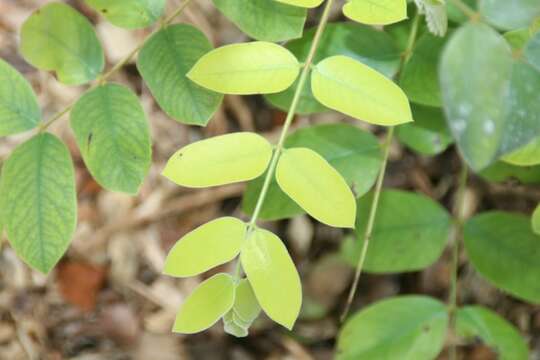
point(220, 160)
point(264, 19)
point(19, 109)
point(38, 201)
point(348, 86)
point(273, 276)
point(208, 246)
point(526, 156)
point(113, 135)
point(316, 186)
point(473, 322)
point(403, 327)
point(535, 220)
point(249, 68)
point(129, 14)
point(245, 310)
point(58, 38)
point(212, 299)
point(376, 12)
point(302, 3)
point(164, 61)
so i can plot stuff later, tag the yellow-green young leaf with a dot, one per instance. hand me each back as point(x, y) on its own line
point(376, 12)
point(273, 277)
point(210, 245)
point(129, 14)
point(211, 300)
point(527, 155)
point(536, 220)
point(302, 3)
point(232, 328)
point(219, 160)
point(56, 37)
point(38, 201)
point(316, 186)
point(19, 109)
point(246, 307)
point(250, 68)
point(346, 85)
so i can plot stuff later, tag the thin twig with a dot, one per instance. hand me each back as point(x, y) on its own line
point(457, 233)
point(116, 67)
point(380, 179)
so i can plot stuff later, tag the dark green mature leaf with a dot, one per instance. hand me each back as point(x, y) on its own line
point(38, 200)
point(474, 322)
point(129, 14)
point(355, 154)
point(503, 249)
point(510, 14)
point(263, 19)
point(487, 125)
point(165, 60)
point(113, 135)
point(19, 109)
point(501, 171)
point(373, 48)
point(58, 38)
point(428, 135)
point(532, 51)
point(419, 78)
point(405, 327)
point(409, 234)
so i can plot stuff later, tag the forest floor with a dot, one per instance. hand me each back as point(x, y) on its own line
point(107, 299)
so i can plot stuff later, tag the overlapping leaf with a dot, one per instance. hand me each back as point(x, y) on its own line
point(510, 14)
point(56, 37)
point(245, 310)
point(346, 85)
point(164, 62)
point(264, 19)
point(354, 153)
point(302, 3)
point(129, 14)
point(376, 12)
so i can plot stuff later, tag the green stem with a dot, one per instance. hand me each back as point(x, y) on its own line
point(306, 67)
point(466, 9)
point(102, 79)
point(458, 230)
point(380, 179)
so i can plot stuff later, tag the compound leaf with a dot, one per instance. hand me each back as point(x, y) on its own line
point(164, 61)
point(113, 135)
point(208, 246)
point(129, 14)
point(502, 248)
point(410, 233)
point(346, 85)
point(272, 274)
point(219, 160)
point(58, 38)
point(39, 201)
point(212, 299)
point(249, 68)
point(19, 109)
point(354, 153)
point(404, 327)
point(264, 19)
point(316, 186)
point(473, 322)
point(376, 12)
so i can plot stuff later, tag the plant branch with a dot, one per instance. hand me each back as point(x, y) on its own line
point(101, 79)
point(306, 67)
point(459, 219)
point(380, 179)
